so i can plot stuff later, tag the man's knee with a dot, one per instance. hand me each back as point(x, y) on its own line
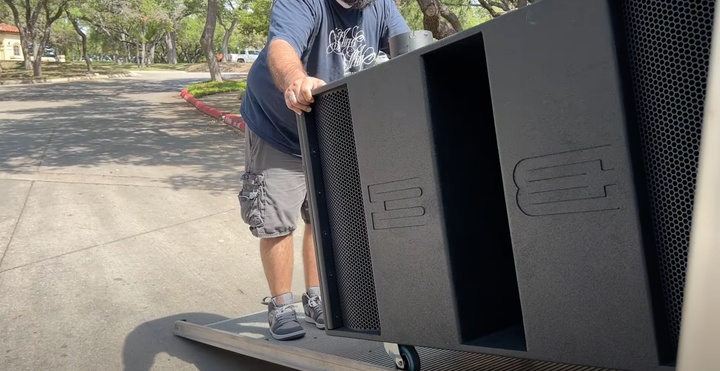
point(270, 242)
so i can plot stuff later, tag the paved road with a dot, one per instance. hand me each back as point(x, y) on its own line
point(118, 216)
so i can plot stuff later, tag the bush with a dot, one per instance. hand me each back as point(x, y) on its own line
point(211, 87)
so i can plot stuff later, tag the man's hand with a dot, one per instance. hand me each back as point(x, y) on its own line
point(298, 96)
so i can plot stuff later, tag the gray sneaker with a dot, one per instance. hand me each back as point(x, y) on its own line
point(282, 318)
point(312, 303)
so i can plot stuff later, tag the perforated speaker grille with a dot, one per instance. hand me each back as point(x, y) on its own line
point(346, 211)
point(669, 45)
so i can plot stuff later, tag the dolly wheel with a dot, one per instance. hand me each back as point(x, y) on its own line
point(410, 357)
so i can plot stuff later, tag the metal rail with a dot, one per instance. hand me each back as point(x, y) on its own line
point(316, 351)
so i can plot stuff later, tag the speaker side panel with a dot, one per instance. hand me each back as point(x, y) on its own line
point(571, 198)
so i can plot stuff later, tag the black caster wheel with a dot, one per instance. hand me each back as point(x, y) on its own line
point(410, 357)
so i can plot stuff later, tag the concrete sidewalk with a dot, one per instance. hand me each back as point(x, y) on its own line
point(227, 102)
point(118, 216)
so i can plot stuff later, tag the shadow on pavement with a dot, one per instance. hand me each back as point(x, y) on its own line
point(88, 89)
point(154, 341)
point(81, 127)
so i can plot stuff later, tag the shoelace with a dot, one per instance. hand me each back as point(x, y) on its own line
point(283, 314)
point(314, 303)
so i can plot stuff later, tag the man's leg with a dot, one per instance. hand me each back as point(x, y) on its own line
point(270, 202)
point(309, 261)
point(277, 258)
point(312, 298)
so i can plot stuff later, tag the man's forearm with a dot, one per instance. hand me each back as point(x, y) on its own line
point(285, 66)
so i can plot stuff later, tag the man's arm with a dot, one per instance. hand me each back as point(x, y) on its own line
point(291, 24)
point(290, 76)
point(395, 23)
point(285, 66)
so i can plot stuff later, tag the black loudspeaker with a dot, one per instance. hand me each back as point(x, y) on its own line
point(523, 188)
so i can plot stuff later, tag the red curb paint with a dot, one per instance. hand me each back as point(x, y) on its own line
point(235, 121)
point(192, 100)
point(232, 120)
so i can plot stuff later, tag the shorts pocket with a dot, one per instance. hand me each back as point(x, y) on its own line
point(252, 199)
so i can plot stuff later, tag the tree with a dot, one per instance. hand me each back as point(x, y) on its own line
point(436, 16)
point(5, 17)
point(255, 23)
point(438, 19)
point(189, 49)
point(504, 6)
point(31, 21)
point(208, 43)
point(34, 29)
point(5, 13)
point(83, 37)
point(175, 11)
point(229, 11)
point(64, 39)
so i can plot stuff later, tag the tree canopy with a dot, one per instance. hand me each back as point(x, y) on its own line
point(170, 31)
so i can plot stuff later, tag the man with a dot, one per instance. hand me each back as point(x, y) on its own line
point(310, 42)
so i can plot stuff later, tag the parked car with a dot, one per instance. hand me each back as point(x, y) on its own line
point(245, 56)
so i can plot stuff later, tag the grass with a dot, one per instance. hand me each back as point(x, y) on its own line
point(15, 70)
point(211, 87)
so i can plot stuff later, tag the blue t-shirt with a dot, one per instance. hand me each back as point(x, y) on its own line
point(331, 40)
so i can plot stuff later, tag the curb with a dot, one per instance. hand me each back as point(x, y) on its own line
point(229, 119)
point(44, 80)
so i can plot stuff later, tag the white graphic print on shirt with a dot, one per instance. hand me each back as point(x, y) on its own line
point(351, 45)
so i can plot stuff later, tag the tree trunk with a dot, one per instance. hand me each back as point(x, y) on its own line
point(226, 38)
point(505, 5)
point(207, 41)
point(174, 51)
point(137, 55)
point(494, 13)
point(37, 63)
point(172, 46)
point(151, 54)
point(144, 47)
point(80, 32)
point(25, 45)
point(37, 70)
point(126, 46)
point(116, 55)
point(27, 53)
point(169, 46)
point(438, 19)
point(25, 37)
point(39, 50)
point(27, 29)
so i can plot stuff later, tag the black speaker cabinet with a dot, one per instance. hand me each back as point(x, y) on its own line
point(523, 188)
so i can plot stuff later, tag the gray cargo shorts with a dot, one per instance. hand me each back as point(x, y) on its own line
point(273, 190)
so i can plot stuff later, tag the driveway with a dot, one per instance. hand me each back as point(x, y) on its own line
point(118, 216)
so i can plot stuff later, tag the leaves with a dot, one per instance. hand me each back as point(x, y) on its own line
point(170, 30)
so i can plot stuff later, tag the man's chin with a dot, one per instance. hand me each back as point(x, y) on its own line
point(359, 4)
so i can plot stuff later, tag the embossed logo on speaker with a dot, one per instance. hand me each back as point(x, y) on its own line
point(578, 181)
point(401, 204)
